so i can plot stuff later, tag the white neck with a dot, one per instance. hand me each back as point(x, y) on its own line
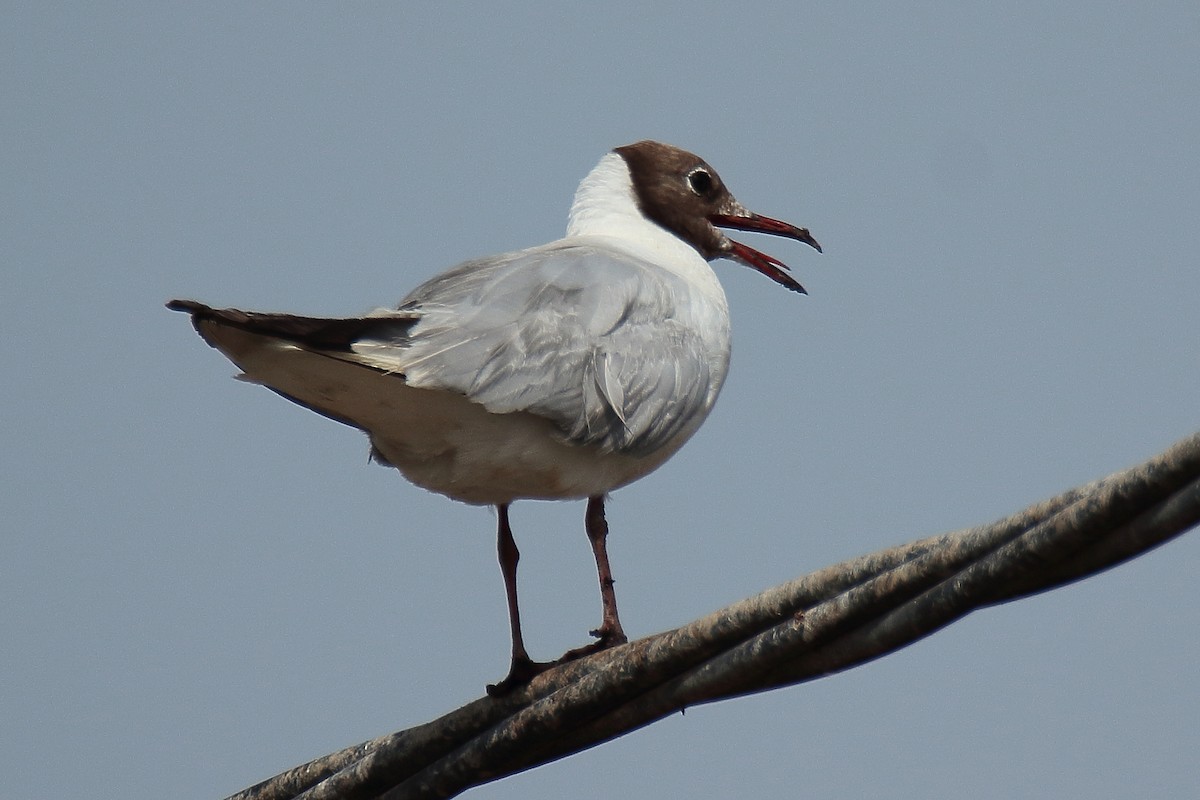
point(604, 198)
point(604, 206)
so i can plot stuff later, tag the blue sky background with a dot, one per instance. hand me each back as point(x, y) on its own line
point(202, 584)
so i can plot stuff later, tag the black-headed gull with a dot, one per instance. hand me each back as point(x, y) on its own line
point(558, 372)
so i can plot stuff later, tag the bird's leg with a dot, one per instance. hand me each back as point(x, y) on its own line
point(610, 632)
point(523, 668)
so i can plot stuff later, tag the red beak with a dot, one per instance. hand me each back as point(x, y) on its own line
point(772, 267)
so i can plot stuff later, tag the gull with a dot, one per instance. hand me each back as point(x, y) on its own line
point(562, 371)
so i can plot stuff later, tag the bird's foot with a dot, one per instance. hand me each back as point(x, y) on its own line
point(525, 669)
point(521, 672)
point(607, 635)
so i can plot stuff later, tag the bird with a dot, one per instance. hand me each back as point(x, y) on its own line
point(562, 371)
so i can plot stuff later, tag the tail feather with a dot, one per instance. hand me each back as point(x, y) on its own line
point(309, 361)
point(318, 333)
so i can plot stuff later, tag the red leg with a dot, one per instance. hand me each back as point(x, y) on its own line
point(610, 632)
point(523, 668)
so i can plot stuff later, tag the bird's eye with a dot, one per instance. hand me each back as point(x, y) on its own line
point(700, 181)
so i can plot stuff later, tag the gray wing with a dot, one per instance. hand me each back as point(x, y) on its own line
point(583, 336)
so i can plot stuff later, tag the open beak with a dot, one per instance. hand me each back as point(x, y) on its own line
point(772, 267)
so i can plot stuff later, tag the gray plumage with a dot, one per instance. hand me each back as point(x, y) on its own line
point(582, 336)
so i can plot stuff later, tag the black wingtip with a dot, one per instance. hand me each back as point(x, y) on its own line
point(317, 333)
point(188, 306)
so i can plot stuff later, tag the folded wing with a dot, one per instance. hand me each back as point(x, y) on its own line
point(579, 335)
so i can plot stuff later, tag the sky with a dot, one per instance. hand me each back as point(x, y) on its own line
point(202, 585)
